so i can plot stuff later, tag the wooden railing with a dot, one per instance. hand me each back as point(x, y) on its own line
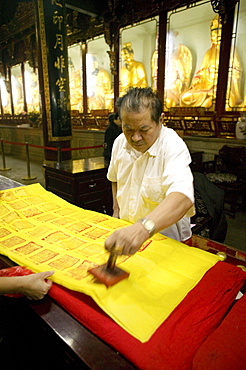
point(14, 119)
point(193, 121)
point(198, 122)
point(96, 119)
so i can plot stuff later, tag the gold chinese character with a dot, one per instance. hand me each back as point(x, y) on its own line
point(56, 2)
point(57, 19)
point(60, 83)
point(62, 103)
point(60, 63)
point(59, 41)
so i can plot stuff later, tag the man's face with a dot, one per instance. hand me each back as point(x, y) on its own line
point(139, 129)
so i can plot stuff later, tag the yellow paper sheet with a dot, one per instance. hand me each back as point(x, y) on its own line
point(43, 232)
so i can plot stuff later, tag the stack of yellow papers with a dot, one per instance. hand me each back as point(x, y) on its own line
point(44, 232)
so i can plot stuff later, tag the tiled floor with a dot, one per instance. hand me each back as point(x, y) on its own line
point(236, 234)
point(21, 172)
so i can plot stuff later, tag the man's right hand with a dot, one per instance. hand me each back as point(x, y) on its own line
point(127, 240)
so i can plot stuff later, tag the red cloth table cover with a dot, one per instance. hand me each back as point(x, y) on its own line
point(225, 348)
point(177, 340)
point(188, 336)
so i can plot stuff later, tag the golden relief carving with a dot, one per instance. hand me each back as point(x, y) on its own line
point(23, 16)
point(23, 9)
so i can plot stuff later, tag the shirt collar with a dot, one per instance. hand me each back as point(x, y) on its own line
point(134, 153)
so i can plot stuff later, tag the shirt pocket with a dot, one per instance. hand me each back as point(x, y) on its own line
point(152, 190)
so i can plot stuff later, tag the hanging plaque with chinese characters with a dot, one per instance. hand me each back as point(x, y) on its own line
point(53, 40)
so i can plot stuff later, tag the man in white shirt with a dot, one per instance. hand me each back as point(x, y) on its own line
point(152, 183)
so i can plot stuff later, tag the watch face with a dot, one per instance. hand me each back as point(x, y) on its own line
point(149, 225)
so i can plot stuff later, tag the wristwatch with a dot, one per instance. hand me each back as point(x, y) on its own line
point(149, 225)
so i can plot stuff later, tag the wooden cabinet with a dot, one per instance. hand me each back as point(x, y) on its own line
point(82, 182)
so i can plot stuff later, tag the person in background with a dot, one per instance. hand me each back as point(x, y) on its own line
point(34, 286)
point(152, 184)
point(112, 131)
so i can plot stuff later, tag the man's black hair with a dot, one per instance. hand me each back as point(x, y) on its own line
point(138, 99)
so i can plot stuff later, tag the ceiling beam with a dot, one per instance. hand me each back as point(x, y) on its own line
point(89, 7)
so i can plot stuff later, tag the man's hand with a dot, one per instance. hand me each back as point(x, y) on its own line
point(127, 240)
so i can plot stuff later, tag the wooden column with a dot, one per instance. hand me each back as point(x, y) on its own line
point(84, 77)
point(224, 62)
point(161, 54)
point(10, 89)
point(116, 73)
point(24, 84)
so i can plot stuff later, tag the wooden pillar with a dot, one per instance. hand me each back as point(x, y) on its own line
point(224, 62)
point(53, 76)
point(10, 90)
point(161, 54)
point(1, 105)
point(116, 73)
point(84, 77)
point(23, 87)
point(111, 34)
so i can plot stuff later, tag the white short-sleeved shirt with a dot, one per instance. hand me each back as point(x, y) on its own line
point(144, 180)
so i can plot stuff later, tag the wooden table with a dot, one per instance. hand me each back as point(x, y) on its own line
point(82, 182)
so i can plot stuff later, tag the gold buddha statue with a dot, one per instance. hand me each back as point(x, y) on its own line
point(154, 69)
point(202, 91)
point(178, 75)
point(98, 86)
point(234, 79)
point(133, 73)
point(75, 85)
point(178, 71)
